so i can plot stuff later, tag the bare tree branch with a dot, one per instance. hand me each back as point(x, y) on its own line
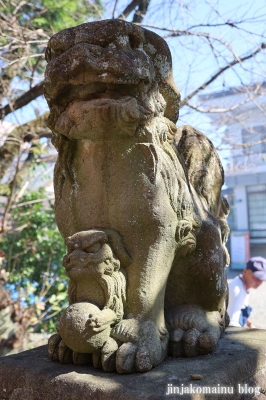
point(141, 12)
point(48, 159)
point(28, 132)
point(26, 203)
point(23, 100)
point(10, 199)
point(241, 145)
point(204, 35)
point(114, 9)
point(129, 8)
point(212, 110)
point(221, 71)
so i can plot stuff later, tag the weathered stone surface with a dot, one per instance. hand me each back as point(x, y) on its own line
point(137, 201)
point(239, 359)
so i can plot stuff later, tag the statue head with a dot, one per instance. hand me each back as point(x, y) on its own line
point(111, 68)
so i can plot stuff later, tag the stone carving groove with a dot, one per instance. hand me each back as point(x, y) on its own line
point(137, 201)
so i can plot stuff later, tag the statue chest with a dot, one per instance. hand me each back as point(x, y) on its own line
point(111, 184)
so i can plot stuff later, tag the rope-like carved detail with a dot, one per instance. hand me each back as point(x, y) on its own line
point(115, 292)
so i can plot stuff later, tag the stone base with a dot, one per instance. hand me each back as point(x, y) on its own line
point(238, 365)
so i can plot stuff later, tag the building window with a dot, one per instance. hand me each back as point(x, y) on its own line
point(256, 135)
point(257, 211)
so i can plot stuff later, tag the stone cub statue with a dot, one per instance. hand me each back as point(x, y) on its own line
point(137, 201)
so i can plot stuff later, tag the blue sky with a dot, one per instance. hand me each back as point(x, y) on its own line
point(194, 60)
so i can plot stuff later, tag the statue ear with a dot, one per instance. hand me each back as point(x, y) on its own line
point(118, 248)
point(171, 95)
point(86, 239)
point(93, 240)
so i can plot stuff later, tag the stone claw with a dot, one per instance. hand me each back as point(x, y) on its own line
point(143, 347)
point(193, 331)
point(65, 353)
point(108, 355)
point(82, 358)
point(53, 345)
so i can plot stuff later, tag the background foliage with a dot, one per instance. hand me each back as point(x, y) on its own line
point(33, 252)
point(29, 239)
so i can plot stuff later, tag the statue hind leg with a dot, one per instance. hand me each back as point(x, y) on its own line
point(195, 310)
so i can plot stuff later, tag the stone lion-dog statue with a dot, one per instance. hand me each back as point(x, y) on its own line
point(137, 201)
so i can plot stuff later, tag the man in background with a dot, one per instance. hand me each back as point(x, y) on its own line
point(252, 277)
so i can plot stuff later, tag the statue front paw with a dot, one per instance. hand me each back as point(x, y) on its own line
point(58, 350)
point(144, 345)
point(53, 347)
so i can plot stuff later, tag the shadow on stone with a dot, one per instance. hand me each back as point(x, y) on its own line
point(237, 366)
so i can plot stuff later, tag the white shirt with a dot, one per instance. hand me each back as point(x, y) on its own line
point(238, 299)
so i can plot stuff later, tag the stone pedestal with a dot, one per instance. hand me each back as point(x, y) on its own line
point(237, 366)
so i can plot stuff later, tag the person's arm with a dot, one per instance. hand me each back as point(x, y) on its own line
point(236, 300)
point(249, 324)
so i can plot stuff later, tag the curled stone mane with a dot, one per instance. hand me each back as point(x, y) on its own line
point(203, 165)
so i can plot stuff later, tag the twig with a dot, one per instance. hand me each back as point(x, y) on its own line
point(222, 70)
point(28, 202)
point(23, 100)
point(129, 8)
point(10, 199)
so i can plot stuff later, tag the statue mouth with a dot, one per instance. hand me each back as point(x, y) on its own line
point(88, 105)
point(96, 90)
point(87, 71)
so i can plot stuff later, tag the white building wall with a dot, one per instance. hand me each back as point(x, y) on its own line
point(241, 208)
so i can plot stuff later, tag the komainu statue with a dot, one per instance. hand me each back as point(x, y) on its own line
point(137, 201)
